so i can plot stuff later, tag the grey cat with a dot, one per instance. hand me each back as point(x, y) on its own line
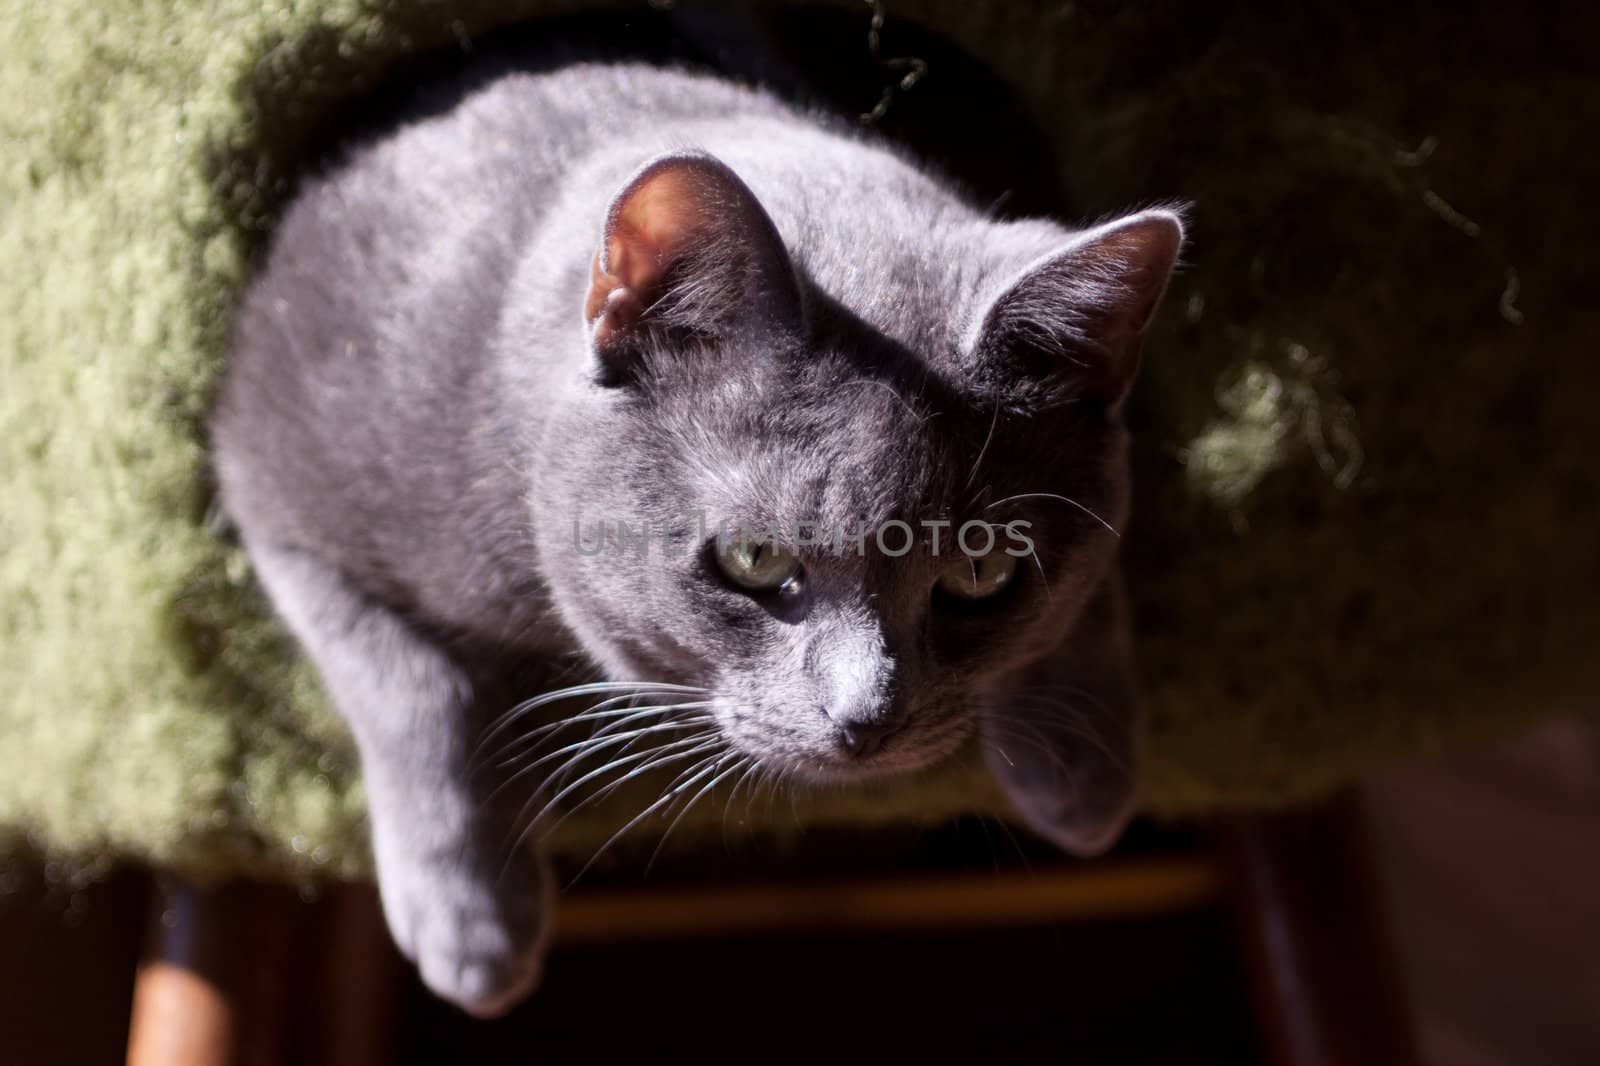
point(612, 295)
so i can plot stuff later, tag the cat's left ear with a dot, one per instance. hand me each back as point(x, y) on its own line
point(686, 247)
point(1080, 314)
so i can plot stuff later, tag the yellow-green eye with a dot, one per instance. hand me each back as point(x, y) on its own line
point(977, 577)
point(757, 565)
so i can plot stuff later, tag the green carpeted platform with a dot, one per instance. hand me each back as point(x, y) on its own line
point(1369, 498)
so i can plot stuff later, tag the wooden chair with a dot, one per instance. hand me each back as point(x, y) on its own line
point(249, 973)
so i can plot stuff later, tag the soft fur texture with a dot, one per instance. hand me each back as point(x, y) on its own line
point(1366, 510)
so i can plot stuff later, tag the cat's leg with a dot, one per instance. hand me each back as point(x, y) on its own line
point(1061, 736)
point(468, 912)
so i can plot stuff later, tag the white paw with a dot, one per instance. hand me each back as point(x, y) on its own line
point(475, 945)
point(1084, 831)
point(1073, 795)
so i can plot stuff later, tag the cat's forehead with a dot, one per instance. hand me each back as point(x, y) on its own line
point(921, 295)
point(786, 446)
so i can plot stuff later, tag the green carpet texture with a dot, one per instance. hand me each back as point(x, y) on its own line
point(1368, 517)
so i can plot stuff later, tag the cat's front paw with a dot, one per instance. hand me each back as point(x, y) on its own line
point(1080, 828)
point(1073, 786)
point(475, 945)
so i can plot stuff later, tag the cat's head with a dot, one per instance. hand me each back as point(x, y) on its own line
point(937, 453)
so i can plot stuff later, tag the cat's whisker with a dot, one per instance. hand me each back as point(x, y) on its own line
point(1033, 553)
point(611, 765)
point(628, 716)
point(677, 784)
point(1070, 689)
point(1078, 722)
point(599, 742)
point(750, 770)
point(593, 688)
point(709, 788)
point(1039, 744)
point(701, 717)
point(996, 728)
point(1064, 499)
point(638, 771)
point(528, 823)
point(1062, 698)
point(993, 424)
point(1079, 726)
point(794, 800)
point(773, 778)
point(1068, 776)
point(662, 755)
point(687, 777)
point(663, 801)
point(626, 719)
point(572, 760)
point(755, 790)
point(558, 779)
point(714, 745)
point(742, 762)
point(600, 711)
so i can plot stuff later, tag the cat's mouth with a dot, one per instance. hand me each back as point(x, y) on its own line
point(821, 755)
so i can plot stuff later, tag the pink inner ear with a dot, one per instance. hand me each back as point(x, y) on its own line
point(1141, 256)
point(648, 225)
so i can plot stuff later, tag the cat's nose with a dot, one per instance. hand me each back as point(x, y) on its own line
point(864, 724)
point(862, 693)
point(864, 739)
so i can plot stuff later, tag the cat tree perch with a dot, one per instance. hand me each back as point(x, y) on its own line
point(1328, 574)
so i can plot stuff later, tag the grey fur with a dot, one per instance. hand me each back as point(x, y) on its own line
point(415, 415)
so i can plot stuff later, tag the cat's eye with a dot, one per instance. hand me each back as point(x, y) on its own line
point(977, 577)
point(757, 565)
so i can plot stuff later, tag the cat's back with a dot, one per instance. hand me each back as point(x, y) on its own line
point(492, 149)
point(409, 237)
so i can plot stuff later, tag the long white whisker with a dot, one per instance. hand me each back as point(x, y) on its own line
point(678, 783)
point(706, 790)
point(600, 743)
point(750, 771)
point(774, 778)
point(614, 764)
point(631, 719)
point(665, 799)
point(583, 751)
point(599, 712)
point(637, 771)
point(1064, 499)
point(593, 688)
point(698, 718)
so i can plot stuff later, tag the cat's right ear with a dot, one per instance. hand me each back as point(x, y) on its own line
point(687, 250)
point(1079, 317)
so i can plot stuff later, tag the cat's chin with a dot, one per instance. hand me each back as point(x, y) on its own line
point(832, 768)
point(851, 773)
